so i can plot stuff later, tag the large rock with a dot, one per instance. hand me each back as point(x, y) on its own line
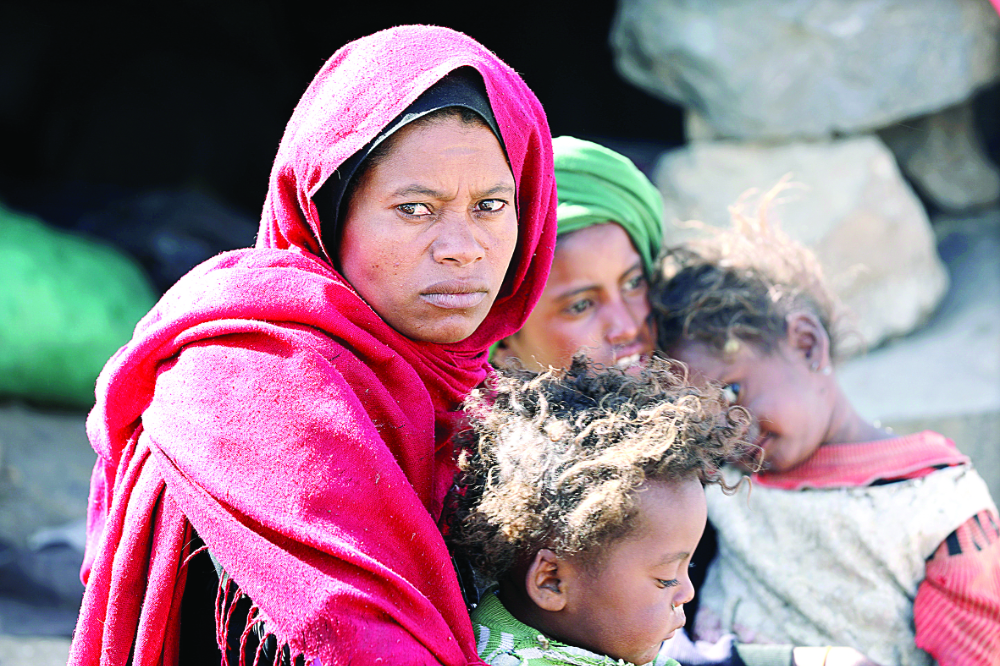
point(786, 68)
point(850, 204)
point(943, 157)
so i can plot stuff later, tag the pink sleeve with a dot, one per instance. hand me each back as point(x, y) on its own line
point(957, 609)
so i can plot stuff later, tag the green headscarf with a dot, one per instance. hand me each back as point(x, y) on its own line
point(597, 185)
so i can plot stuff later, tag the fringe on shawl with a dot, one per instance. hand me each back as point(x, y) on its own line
point(231, 604)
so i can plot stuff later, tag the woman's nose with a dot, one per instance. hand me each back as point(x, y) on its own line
point(623, 323)
point(456, 242)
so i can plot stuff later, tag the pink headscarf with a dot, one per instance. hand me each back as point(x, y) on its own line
point(265, 405)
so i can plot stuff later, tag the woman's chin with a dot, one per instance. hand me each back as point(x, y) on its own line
point(446, 330)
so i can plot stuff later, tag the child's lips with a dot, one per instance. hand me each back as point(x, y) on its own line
point(682, 620)
point(763, 440)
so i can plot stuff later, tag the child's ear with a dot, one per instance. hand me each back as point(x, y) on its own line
point(502, 355)
point(544, 582)
point(808, 339)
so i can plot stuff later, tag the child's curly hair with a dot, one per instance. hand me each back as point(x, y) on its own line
point(740, 284)
point(556, 457)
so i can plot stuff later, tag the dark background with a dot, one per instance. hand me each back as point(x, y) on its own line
point(99, 101)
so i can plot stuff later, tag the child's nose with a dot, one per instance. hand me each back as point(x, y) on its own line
point(685, 592)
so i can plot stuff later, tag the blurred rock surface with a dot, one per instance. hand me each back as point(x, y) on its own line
point(34, 651)
point(784, 68)
point(944, 158)
point(45, 479)
point(850, 205)
point(44, 484)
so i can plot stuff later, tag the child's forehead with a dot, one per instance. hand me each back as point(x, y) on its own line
point(706, 361)
point(669, 517)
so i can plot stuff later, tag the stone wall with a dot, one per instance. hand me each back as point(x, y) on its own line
point(865, 103)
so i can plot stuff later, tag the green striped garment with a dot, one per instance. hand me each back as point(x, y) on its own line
point(502, 640)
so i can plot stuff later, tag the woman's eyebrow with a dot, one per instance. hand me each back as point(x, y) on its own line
point(409, 190)
point(634, 267)
point(499, 188)
point(430, 192)
point(576, 292)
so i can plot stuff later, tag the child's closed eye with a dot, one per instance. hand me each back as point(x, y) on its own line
point(673, 582)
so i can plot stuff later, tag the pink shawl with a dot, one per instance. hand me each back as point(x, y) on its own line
point(265, 405)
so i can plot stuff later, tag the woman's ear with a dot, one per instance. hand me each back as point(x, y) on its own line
point(808, 339)
point(544, 581)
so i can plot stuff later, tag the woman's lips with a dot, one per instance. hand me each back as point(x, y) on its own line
point(455, 295)
point(625, 362)
point(626, 357)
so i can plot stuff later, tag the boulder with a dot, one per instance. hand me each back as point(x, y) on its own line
point(848, 202)
point(943, 156)
point(783, 68)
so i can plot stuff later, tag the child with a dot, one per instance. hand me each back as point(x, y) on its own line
point(583, 501)
point(851, 536)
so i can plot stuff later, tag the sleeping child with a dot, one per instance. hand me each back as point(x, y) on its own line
point(851, 535)
point(582, 501)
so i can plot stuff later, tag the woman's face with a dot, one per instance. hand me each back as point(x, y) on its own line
point(431, 229)
point(595, 302)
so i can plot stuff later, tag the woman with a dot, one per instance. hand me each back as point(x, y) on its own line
point(290, 406)
point(595, 301)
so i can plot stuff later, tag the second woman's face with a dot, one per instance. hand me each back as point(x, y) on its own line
point(595, 302)
point(431, 229)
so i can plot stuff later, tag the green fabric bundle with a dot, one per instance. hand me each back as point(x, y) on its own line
point(66, 305)
point(597, 185)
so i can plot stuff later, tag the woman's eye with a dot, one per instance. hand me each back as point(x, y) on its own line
point(579, 307)
point(491, 205)
point(634, 283)
point(417, 209)
point(673, 582)
point(732, 392)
